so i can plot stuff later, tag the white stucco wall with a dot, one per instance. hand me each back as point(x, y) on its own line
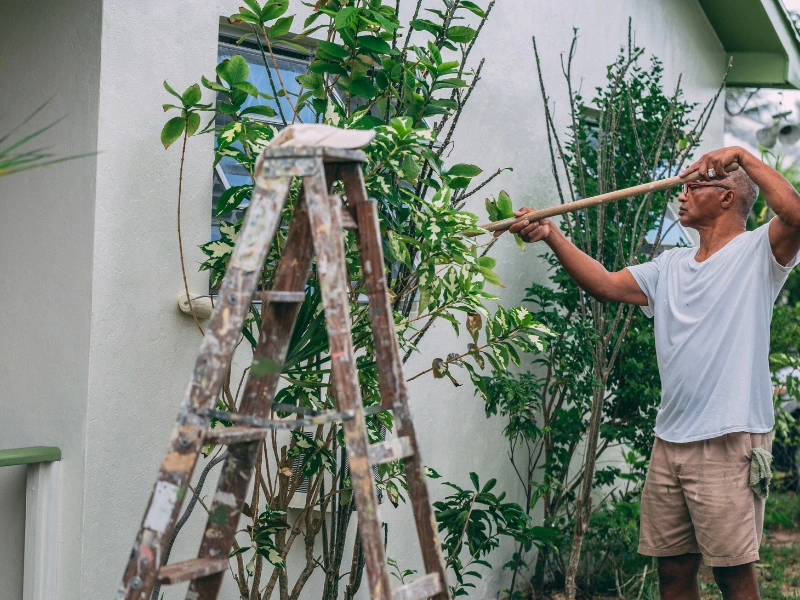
point(47, 49)
point(141, 351)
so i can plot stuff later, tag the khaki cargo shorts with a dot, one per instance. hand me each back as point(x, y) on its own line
point(697, 500)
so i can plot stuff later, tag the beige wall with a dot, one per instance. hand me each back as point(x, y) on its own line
point(47, 49)
point(141, 350)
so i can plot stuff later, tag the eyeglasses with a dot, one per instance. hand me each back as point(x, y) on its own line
point(688, 187)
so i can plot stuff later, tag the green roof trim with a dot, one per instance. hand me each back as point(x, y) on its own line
point(760, 37)
point(26, 456)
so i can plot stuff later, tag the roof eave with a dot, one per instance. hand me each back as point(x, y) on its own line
point(762, 67)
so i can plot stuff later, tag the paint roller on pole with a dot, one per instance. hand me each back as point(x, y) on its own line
point(637, 190)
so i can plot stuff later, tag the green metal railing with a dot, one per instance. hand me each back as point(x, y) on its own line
point(27, 456)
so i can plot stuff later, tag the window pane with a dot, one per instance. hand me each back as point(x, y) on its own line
point(290, 68)
point(229, 173)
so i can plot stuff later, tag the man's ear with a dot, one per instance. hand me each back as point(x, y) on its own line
point(729, 199)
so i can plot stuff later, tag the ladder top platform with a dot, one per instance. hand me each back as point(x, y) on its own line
point(327, 153)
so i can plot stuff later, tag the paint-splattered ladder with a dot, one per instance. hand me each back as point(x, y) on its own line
point(316, 228)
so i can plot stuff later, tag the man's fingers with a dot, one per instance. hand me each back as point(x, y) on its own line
point(688, 171)
point(702, 170)
point(517, 227)
point(523, 210)
point(535, 236)
point(719, 169)
point(529, 229)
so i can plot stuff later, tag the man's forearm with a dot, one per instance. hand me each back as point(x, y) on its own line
point(588, 273)
point(779, 194)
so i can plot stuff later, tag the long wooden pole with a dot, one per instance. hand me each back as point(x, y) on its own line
point(637, 190)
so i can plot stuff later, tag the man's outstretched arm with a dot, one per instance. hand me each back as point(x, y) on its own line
point(780, 195)
point(586, 271)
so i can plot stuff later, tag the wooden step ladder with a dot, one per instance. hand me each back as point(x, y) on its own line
point(316, 228)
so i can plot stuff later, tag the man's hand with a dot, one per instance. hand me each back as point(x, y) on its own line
point(527, 231)
point(715, 162)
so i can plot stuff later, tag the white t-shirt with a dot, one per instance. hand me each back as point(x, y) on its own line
point(712, 336)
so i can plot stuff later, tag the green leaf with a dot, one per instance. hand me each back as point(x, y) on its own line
point(233, 70)
point(362, 86)
point(344, 18)
point(491, 208)
point(171, 91)
point(227, 109)
point(313, 17)
point(464, 170)
point(474, 478)
point(246, 16)
point(382, 80)
point(505, 209)
point(473, 8)
point(274, 9)
point(460, 34)
point(192, 123)
point(449, 83)
point(436, 54)
point(333, 50)
point(247, 88)
point(213, 85)
point(281, 26)
point(319, 66)
point(458, 183)
point(373, 43)
point(411, 168)
point(260, 109)
point(192, 95)
point(425, 25)
point(231, 199)
point(172, 131)
point(254, 6)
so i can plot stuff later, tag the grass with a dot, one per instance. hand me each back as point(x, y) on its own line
point(778, 567)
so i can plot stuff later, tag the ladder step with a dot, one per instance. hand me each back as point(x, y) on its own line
point(235, 434)
point(348, 222)
point(255, 423)
point(191, 569)
point(302, 410)
point(283, 296)
point(424, 587)
point(298, 410)
point(390, 450)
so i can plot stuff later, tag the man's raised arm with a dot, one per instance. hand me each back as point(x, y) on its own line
point(588, 273)
point(780, 195)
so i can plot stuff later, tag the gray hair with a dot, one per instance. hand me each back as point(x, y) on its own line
point(746, 191)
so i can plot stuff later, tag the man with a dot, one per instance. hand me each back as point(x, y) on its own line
point(712, 306)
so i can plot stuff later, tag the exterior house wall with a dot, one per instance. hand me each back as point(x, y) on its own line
point(137, 351)
point(47, 49)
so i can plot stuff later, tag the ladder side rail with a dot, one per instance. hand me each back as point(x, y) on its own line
point(238, 287)
point(273, 345)
point(324, 214)
point(390, 367)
